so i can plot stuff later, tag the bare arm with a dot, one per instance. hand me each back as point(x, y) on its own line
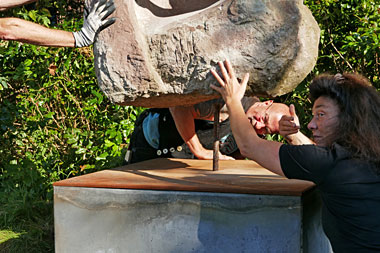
point(24, 31)
point(184, 121)
point(28, 32)
point(299, 139)
point(264, 152)
point(6, 4)
point(32, 33)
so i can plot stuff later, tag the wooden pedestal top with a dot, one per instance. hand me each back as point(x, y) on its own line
point(239, 176)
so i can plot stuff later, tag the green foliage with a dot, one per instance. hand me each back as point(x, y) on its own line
point(350, 38)
point(350, 42)
point(55, 123)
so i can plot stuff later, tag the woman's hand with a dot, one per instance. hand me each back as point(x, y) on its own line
point(230, 88)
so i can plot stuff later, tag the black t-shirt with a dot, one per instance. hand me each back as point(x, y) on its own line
point(350, 190)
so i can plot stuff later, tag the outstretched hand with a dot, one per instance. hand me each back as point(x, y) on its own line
point(289, 125)
point(230, 88)
point(207, 154)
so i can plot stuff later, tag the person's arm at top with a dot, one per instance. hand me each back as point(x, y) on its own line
point(31, 33)
point(264, 152)
point(184, 121)
point(28, 32)
point(289, 129)
point(6, 4)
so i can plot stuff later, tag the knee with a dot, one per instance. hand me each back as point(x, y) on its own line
point(7, 28)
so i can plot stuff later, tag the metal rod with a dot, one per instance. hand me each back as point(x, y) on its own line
point(215, 161)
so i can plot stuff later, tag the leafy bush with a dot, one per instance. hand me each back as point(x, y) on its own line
point(55, 123)
point(350, 42)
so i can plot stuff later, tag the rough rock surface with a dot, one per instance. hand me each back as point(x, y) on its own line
point(159, 52)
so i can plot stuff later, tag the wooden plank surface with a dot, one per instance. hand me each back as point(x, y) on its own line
point(239, 176)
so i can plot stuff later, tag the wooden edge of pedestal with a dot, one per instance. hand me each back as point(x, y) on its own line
point(167, 174)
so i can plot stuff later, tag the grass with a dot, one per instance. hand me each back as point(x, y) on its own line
point(6, 235)
point(26, 227)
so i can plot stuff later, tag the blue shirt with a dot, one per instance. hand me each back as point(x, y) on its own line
point(150, 128)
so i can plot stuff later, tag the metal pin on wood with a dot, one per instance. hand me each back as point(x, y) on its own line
point(215, 161)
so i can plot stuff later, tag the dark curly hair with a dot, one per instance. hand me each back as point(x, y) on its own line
point(359, 120)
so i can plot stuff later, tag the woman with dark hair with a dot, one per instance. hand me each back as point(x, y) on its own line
point(359, 119)
point(345, 162)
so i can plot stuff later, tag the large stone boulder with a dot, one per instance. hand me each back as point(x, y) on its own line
point(159, 52)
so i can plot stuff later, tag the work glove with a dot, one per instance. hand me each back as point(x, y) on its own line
point(94, 22)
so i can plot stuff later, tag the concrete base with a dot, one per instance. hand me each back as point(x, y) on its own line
point(91, 219)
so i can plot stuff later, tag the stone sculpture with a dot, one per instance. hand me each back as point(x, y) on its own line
point(159, 52)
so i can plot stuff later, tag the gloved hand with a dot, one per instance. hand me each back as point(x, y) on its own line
point(94, 22)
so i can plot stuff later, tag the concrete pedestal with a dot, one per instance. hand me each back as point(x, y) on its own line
point(177, 205)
